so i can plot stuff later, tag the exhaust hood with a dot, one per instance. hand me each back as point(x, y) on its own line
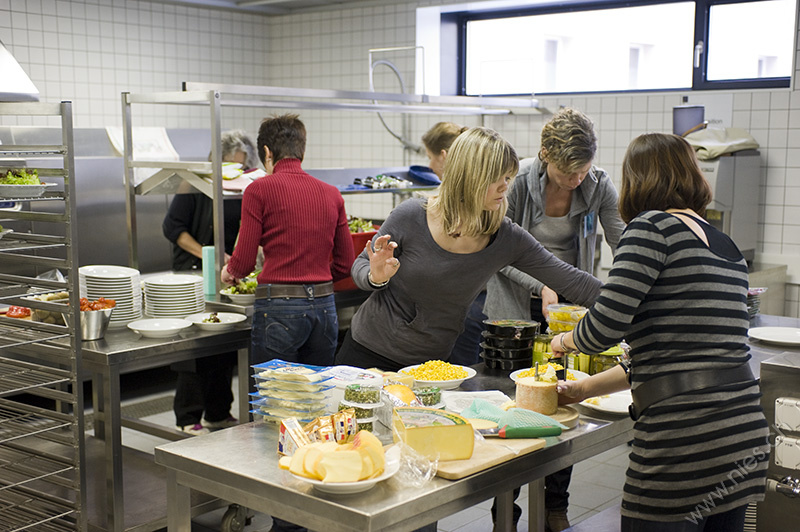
point(15, 85)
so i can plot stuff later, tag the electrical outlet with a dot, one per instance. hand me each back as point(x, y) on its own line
point(787, 414)
point(787, 452)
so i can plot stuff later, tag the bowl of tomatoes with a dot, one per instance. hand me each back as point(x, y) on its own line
point(95, 317)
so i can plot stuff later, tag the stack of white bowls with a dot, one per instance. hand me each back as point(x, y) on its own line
point(113, 282)
point(173, 295)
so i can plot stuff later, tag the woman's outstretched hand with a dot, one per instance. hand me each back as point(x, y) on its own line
point(569, 392)
point(382, 262)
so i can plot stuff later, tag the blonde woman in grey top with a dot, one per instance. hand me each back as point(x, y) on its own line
point(559, 197)
point(431, 258)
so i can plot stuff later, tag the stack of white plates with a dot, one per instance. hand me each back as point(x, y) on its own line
point(173, 296)
point(114, 282)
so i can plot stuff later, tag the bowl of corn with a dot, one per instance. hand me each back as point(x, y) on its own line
point(563, 318)
point(439, 373)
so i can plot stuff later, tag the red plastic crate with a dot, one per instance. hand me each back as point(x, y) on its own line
point(359, 241)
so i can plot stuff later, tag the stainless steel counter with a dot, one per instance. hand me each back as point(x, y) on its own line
point(241, 466)
point(104, 361)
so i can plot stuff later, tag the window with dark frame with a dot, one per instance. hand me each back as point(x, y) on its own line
point(612, 46)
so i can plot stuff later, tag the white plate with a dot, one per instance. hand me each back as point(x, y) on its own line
point(4, 232)
point(108, 271)
point(577, 374)
point(173, 280)
point(23, 191)
point(227, 320)
point(616, 403)
point(391, 467)
point(159, 328)
point(239, 299)
point(443, 385)
point(776, 335)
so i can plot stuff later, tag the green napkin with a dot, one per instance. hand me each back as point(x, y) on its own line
point(519, 417)
point(513, 417)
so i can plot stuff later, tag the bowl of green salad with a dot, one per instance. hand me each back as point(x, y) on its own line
point(22, 183)
point(242, 293)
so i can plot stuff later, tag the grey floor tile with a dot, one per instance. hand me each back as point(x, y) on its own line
point(577, 513)
point(606, 475)
point(610, 454)
point(621, 460)
point(483, 524)
point(591, 495)
point(464, 517)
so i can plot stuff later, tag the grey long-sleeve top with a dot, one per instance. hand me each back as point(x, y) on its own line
point(419, 314)
point(508, 292)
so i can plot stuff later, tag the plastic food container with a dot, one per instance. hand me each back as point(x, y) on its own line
point(362, 394)
point(509, 354)
point(506, 364)
point(564, 317)
point(360, 410)
point(366, 424)
point(512, 328)
point(507, 343)
point(429, 396)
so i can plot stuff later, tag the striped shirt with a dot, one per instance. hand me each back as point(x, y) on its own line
point(301, 224)
point(682, 306)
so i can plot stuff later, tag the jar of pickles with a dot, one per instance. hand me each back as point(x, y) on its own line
point(606, 360)
point(541, 348)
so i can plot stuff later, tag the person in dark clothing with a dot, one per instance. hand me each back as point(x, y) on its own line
point(203, 395)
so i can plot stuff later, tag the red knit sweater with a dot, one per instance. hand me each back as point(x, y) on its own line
point(300, 222)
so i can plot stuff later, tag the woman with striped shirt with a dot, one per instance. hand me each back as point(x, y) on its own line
point(677, 293)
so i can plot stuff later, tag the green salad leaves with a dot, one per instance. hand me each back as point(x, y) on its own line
point(21, 177)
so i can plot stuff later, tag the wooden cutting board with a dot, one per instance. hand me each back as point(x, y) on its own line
point(488, 453)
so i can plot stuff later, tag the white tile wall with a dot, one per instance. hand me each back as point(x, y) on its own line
point(89, 51)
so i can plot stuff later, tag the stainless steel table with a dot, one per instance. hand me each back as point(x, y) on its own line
point(240, 465)
point(104, 361)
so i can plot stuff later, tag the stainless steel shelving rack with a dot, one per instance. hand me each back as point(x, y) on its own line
point(42, 452)
point(171, 175)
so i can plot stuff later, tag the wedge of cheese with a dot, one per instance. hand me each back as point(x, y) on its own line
point(436, 434)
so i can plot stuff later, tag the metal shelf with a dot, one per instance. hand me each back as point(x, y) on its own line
point(25, 509)
point(17, 376)
point(214, 96)
point(42, 448)
point(19, 467)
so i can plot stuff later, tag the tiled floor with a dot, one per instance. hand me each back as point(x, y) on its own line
point(596, 485)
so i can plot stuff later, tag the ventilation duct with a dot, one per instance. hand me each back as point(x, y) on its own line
point(15, 85)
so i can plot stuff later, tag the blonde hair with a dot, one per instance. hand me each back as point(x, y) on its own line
point(441, 136)
point(477, 158)
point(568, 140)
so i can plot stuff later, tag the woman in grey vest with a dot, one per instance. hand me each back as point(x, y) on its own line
point(559, 197)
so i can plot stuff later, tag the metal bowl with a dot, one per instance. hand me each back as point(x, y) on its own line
point(512, 328)
point(93, 323)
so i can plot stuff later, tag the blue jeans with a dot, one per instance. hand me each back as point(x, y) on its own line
point(296, 330)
